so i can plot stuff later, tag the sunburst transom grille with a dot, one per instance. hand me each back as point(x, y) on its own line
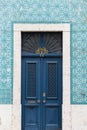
point(42, 42)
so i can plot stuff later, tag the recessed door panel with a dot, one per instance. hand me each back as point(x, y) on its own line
point(31, 80)
point(31, 115)
point(51, 80)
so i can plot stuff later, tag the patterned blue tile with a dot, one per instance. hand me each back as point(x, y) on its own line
point(40, 11)
point(79, 65)
point(78, 9)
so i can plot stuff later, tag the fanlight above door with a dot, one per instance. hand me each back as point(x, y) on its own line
point(42, 42)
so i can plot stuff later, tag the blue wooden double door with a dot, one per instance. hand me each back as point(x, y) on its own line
point(41, 93)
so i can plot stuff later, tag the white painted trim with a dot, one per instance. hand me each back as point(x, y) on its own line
point(5, 117)
point(42, 27)
point(65, 28)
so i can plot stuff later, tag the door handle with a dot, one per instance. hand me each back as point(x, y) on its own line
point(44, 94)
point(44, 101)
point(38, 101)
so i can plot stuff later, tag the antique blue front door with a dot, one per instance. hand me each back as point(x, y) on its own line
point(41, 91)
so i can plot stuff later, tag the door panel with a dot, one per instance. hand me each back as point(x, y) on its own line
point(31, 117)
point(51, 79)
point(52, 111)
point(31, 94)
point(31, 80)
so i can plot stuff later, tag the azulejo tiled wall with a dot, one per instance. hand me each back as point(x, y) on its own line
point(45, 11)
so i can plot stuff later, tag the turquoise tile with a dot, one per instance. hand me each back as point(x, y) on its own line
point(41, 11)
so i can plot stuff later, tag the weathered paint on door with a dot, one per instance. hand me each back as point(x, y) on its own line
point(41, 92)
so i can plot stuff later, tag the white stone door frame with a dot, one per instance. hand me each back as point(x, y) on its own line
point(66, 107)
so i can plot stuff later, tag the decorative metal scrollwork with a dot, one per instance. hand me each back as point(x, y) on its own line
point(42, 50)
